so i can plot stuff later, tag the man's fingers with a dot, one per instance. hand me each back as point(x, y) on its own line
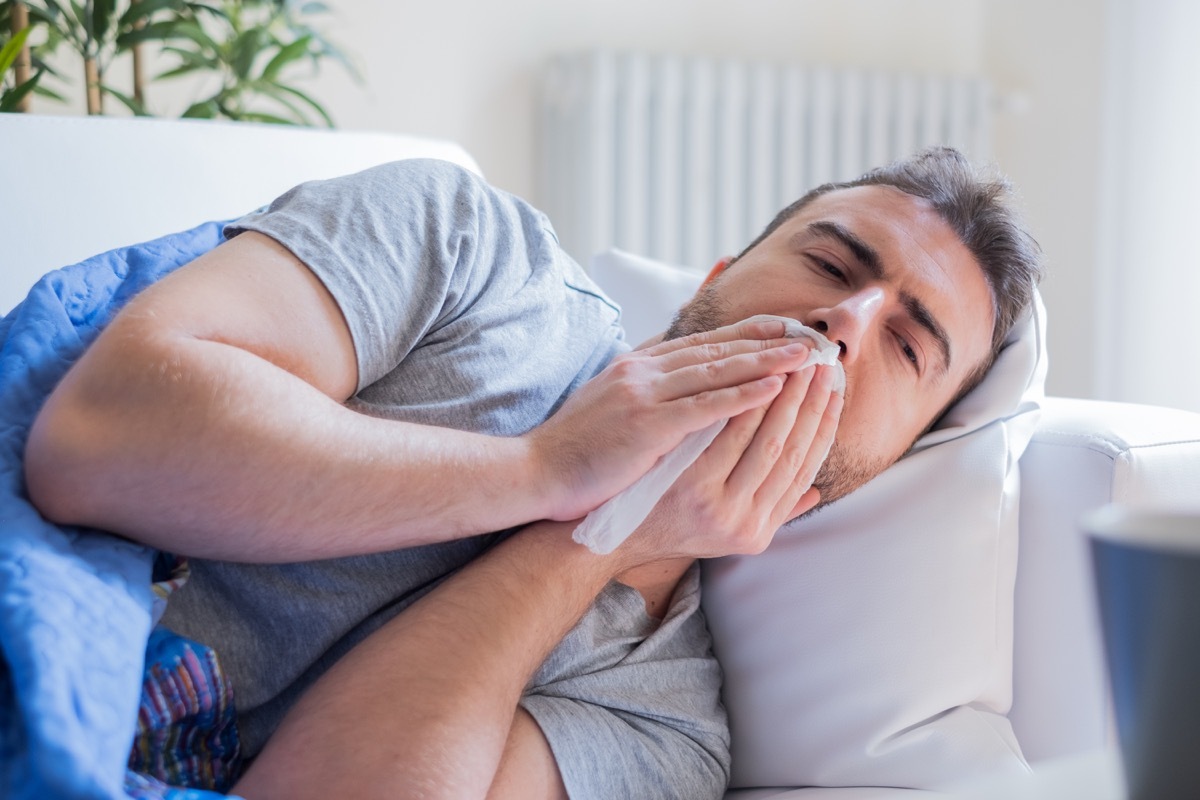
point(731, 443)
point(728, 333)
point(807, 502)
point(706, 376)
point(708, 407)
point(715, 352)
point(806, 446)
point(775, 438)
point(821, 444)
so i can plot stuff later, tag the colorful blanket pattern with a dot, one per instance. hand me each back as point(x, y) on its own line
point(76, 605)
point(187, 724)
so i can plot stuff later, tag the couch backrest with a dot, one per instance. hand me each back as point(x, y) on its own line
point(77, 186)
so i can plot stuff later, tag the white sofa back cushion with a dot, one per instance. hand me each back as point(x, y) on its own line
point(110, 182)
point(871, 644)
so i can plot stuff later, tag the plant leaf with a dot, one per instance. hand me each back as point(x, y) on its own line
point(102, 14)
point(42, 91)
point(204, 60)
point(53, 23)
point(140, 10)
point(215, 11)
point(205, 109)
point(52, 10)
point(273, 92)
point(85, 26)
point(314, 7)
point(42, 14)
point(58, 21)
point(10, 51)
point(258, 116)
point(191, 30)
point(287, 54)
point(12, 98)
point(175, 72)
point(129, 102)
point(246, 48)
point(160, 30)
point(306, 99)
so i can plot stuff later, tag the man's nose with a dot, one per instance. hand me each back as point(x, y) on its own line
point(847, 322)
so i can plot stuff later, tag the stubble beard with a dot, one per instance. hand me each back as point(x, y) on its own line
point(842, 472)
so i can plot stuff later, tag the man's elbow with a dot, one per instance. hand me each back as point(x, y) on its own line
point(76, 447)
point(58, 460)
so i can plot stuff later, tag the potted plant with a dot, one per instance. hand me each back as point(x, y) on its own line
point(249, 49)
point(251, 45)
point(21, 67)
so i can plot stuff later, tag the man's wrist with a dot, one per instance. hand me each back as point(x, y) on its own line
point(552, 542)
point(546, 475)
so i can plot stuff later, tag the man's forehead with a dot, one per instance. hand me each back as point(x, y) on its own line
point(875, 201)
point(903, 231)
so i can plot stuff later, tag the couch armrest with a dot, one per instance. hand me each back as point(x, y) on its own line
point(1084, 454)
point(1155, 452)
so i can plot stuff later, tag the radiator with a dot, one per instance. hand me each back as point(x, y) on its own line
point(687, 159)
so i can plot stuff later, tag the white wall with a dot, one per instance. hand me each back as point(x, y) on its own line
point(1150, 351)
point(1052, 55)
point(467, 70)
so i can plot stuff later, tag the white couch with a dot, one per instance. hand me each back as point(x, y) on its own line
point(73, 187)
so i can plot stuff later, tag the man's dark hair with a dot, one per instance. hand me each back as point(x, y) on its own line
point(979, 208)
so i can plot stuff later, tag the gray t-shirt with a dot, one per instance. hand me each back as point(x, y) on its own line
point(465, 313)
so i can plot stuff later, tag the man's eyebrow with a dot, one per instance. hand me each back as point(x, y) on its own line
point(869, 259)
point(921, 316)
point(863, 252)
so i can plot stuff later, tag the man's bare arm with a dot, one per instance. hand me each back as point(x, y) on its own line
point(208, 420)
point(527, 768)
point(427, 705)
point(423, 708)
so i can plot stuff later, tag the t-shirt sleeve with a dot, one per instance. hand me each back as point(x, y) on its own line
point(631, 707)
point(404, 248)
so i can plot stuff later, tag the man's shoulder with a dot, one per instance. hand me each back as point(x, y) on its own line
point(429, 179)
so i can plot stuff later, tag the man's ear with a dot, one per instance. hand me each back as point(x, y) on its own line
point(717, 269)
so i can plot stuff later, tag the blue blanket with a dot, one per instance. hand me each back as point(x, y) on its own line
point(75, 605)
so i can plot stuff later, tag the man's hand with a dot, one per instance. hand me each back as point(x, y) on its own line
point(644, 403)
point(756, 475)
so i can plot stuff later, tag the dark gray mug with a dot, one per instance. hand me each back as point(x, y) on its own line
point(1147, 571)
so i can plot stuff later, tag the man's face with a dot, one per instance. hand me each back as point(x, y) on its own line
point(879, 272)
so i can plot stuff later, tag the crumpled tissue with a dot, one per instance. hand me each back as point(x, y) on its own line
point(611, 523)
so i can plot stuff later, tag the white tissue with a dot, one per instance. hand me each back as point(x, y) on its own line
point(611, 523)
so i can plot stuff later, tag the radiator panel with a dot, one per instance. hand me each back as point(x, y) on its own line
point(687, 159)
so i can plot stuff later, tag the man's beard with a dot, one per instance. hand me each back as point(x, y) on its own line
point(842, 472)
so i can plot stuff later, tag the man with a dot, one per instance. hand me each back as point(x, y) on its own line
point(326, 411)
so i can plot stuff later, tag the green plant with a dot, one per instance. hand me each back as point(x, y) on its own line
point(101, 30)
point(22, 66)
point(253, 45)
point(11, 96)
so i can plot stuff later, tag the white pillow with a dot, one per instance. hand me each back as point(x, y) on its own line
point(871, 644)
